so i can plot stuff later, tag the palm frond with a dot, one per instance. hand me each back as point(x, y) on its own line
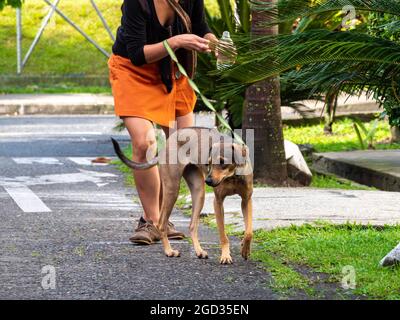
point(226, 10)
point(285, 10)
point(271, 56)
point(243, 8)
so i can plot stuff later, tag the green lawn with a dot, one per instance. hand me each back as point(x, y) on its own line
point(333, 182)
point(328, 249)
point(61, 50)
point(59, 88)
point(343, 139)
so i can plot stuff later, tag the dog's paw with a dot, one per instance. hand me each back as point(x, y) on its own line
point(172, 253)
point(202, 254)
point(245, 252)
point(226, 259)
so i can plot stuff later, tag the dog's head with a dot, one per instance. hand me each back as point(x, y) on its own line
point(224, 161)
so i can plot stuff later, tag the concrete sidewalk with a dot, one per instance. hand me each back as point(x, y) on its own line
point(282, 207)
point(31, 104)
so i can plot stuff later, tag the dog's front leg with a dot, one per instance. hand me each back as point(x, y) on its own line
point(224, 240)
point(247, 210)
point(195, 181)
point(198, 203)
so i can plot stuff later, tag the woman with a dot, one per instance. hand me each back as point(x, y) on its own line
point(148, 88)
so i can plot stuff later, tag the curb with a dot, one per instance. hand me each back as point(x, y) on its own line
point(333, 163)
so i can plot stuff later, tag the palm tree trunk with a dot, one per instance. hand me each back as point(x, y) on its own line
point(262, 113)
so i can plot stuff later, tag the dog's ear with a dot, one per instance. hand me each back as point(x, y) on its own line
point(240, 154)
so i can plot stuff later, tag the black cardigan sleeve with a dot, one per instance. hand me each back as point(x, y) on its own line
point(134, 25)
point(199, 23)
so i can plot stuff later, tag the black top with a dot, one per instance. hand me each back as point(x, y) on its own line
point(140, 26)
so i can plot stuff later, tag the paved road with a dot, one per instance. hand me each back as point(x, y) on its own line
point(59, 211)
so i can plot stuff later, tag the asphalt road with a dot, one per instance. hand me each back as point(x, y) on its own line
point(65, 225)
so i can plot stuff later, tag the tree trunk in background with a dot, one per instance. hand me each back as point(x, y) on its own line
point(262, 113)
point(396, 134)
point(330, 112)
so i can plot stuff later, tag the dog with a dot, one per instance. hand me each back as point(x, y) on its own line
point(202, 155)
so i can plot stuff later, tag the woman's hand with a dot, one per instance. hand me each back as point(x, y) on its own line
point(213, 42)
point(189, 42)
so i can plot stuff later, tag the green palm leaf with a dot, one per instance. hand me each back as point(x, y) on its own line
point(243, 9)
point(271, 56)
point(227, 14)
point(286, 10)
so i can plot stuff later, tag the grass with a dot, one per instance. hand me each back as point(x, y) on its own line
point(332, 182)
point(55, 89)
point(285, 279)
point(61, 50)
point(343, 139)
point(124, 169)
point(328, 249)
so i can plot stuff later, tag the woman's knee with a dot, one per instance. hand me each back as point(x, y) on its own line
point(143, 138)
point(143, 150)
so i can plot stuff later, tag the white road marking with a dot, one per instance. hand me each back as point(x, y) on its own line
point(102, 184)
point(49, 161)
point(26, 199)
point(29, 202)
point(64, 178)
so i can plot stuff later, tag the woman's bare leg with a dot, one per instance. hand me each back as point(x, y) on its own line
point(143, 138)
point(185, 121)
point(181, 122)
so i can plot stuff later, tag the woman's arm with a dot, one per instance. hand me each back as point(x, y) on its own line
point(135, 34)
point(199, 22)
point(156, 52)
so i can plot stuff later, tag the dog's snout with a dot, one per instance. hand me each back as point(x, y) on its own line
point(209, 181)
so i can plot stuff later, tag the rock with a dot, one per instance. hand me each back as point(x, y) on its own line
point(298, 169)
point(393, 258)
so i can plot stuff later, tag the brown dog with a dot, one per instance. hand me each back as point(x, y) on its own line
point(202, 155)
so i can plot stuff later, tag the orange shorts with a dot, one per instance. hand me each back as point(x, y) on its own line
point(139, 92)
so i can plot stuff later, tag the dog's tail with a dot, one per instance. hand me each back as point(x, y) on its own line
point(132, 164)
